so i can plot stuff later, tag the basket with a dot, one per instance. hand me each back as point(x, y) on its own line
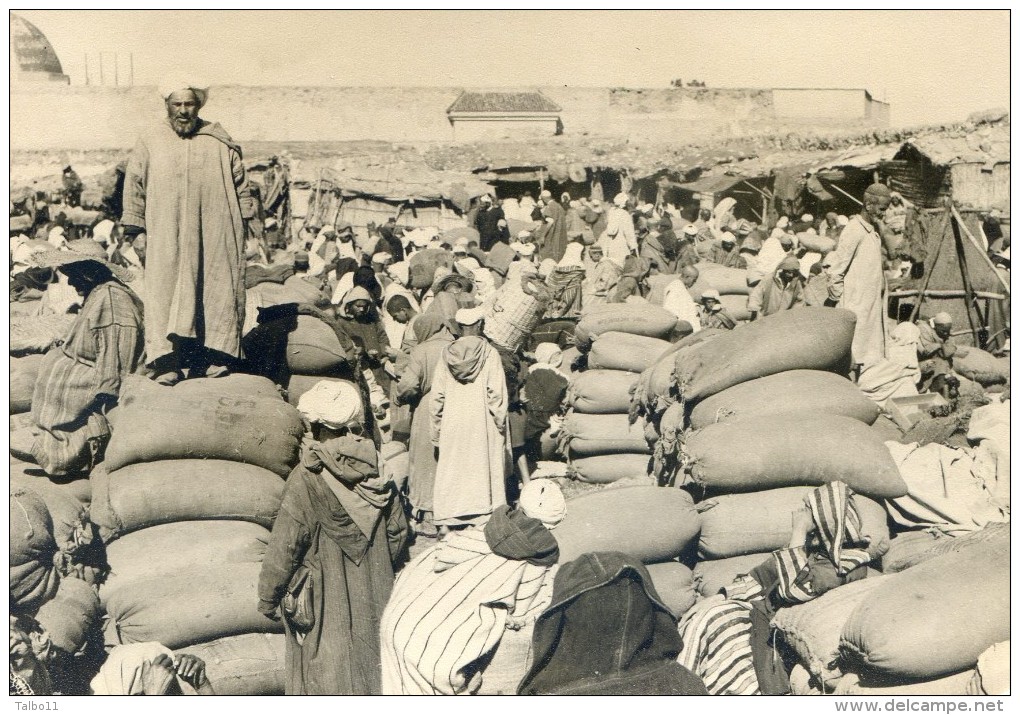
point(515, 312)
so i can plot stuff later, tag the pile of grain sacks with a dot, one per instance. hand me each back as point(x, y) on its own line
point(619, 341)
point(185, 502)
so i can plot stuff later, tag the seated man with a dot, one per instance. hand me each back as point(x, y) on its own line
point(711, 312)
point(783, 290)
point(935, 348)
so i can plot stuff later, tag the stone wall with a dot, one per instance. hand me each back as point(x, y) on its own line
point(61, 117)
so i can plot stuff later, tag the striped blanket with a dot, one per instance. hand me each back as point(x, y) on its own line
point(717, 646)
point(449, 607)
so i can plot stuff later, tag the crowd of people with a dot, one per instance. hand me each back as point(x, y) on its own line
point(161, 290)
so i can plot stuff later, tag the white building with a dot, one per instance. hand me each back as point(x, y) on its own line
point(482, 115)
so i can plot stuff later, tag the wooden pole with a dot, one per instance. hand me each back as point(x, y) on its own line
point(102, 81)
point(131, 60)
point(116, 69)
point(86, 69)
point(984, 254)
point(928, 272)
point(961, 259)
point(859, 203)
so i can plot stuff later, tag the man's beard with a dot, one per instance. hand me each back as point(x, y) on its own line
point(184, 127)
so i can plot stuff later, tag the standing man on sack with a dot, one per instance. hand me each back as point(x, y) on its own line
point(856, 278)
point(185, 188)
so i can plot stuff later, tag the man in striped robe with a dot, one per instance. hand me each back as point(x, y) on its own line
point(450, 605)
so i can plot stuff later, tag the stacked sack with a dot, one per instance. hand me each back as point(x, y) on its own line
point(938, 627)
point(185, 501)
point(52, 574)
point(618, 341)
point(651, 524)
point(749, 421)
point(297, 347)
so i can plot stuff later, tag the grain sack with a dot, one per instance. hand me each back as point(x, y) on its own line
point(601, 392)
point(886, 430)
point(631, 318)
point(736, 306)
point(592, 435)
point(909, 548)
point(798, 339)
point(674, 583)
point(812, 629)
point(30, 476)
point(70, 615)
point(944, 490)
point(728, 281)
point(510, 662)
point(648, 523)
point(622, 351)
point(850, 684)
point(657, 285)
point(655, 392)
point(422, 266)
point(314, 349)
point(206, 421)
point(794, 391)
point(791, 450)
point(915, 547)
point(608, 468)
point(992, 673)
point(300, 384)
point(710, 577)
point(144, 495)
point(72, 530)
point(24, 371)
point(737, 524)
point(933, 619)
point(980, 366)
point(181, 545)
point(193, 605)
point(248, 664)
point(33, 577)
point(570, 355)
point(305, 289)
point(137, 389)
point(815, 243)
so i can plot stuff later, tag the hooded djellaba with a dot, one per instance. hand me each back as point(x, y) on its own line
point(477, 591)
point(328, 568)
point(434, 329)
point(470, 429)
point(607, 632)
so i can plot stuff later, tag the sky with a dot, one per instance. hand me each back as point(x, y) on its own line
point(932, 66)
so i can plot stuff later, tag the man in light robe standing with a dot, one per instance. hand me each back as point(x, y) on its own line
point(856, 279)
point(185, 189)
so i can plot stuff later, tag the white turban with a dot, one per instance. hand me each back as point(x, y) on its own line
point(178, 83)
point(549, 354)
point(542, 499)
point(400, 272)
point(333, 404)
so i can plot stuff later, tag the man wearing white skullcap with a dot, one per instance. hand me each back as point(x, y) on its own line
point(185, 188)
point(856, 277)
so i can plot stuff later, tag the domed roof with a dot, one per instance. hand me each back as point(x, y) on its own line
point(31, 52)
